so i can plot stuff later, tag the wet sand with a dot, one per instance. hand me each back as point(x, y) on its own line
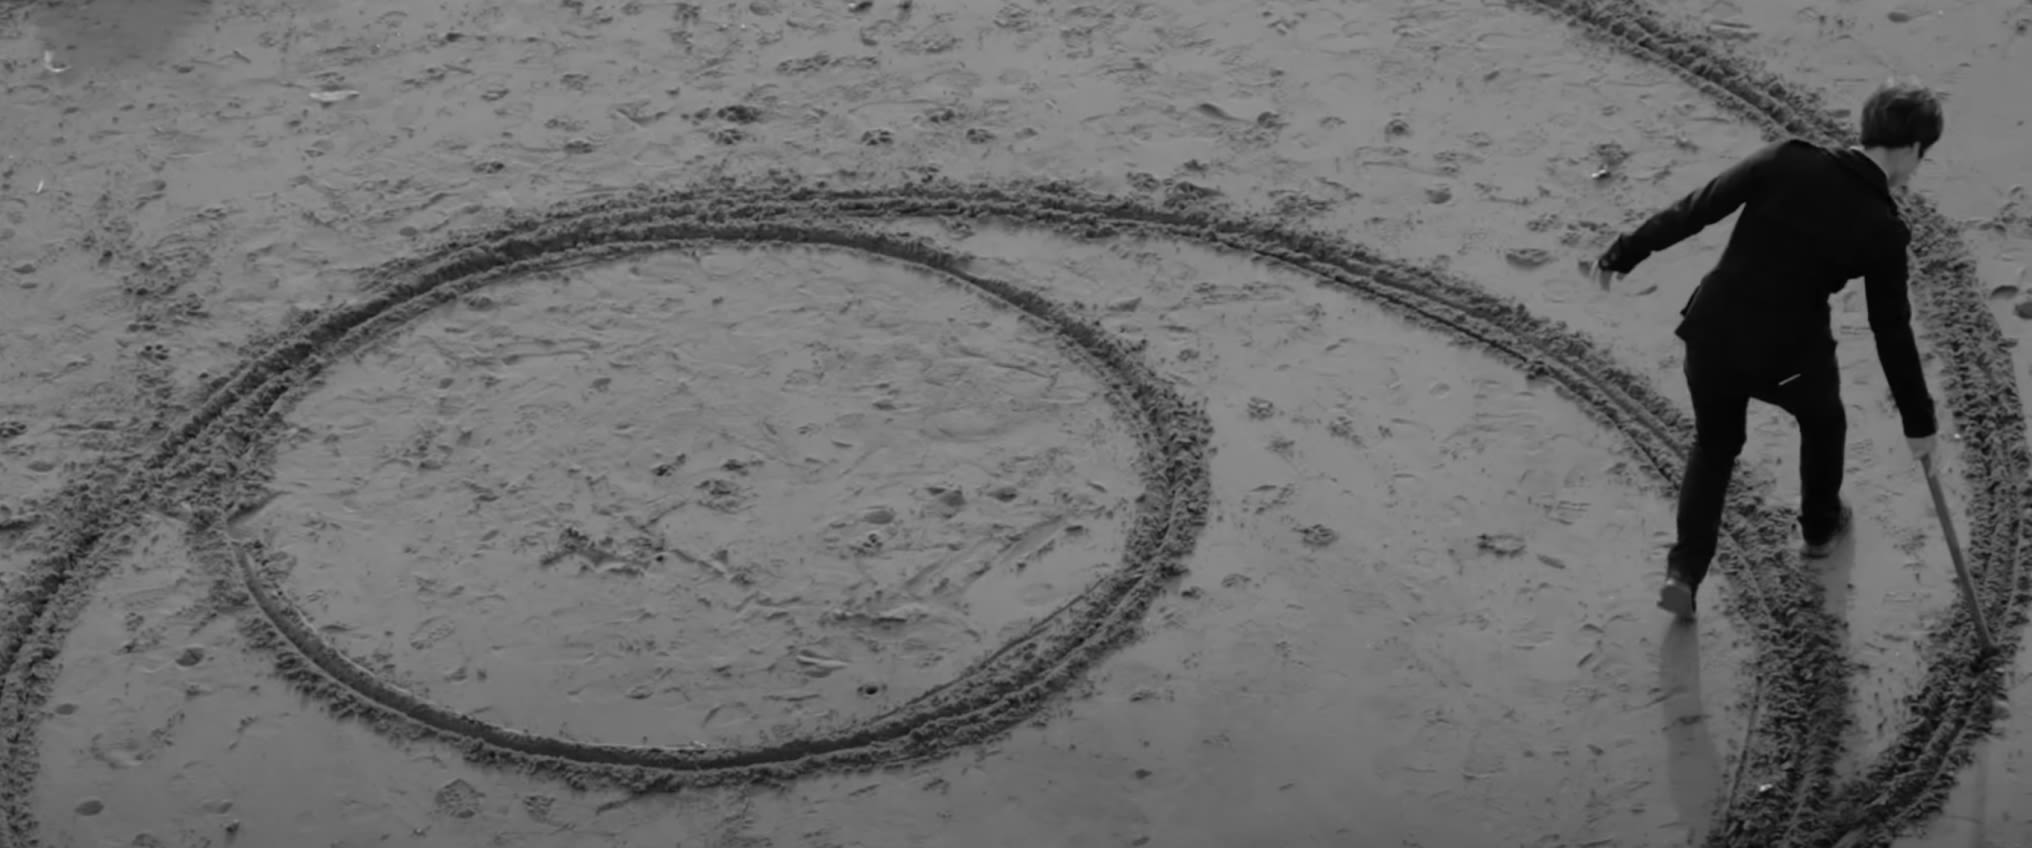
point(994, 423)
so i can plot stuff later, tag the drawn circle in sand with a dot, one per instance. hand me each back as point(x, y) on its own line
point(984, 698)
point(719, 490)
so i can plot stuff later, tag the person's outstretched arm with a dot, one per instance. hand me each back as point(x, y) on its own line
point(1695, 212)
point(1884, 288)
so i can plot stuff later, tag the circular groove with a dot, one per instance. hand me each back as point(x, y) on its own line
point(1171, 513)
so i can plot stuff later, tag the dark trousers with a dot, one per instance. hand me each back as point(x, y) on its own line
point(1721, 398)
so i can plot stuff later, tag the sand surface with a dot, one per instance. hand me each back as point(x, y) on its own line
point(964, 423)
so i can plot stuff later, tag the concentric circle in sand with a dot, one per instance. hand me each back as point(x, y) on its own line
point(714, 495)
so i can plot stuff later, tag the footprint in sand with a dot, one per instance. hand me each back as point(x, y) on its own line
point(458, 799)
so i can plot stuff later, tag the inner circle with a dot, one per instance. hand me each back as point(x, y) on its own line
point(706, 496)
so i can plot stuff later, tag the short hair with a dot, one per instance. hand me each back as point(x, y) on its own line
point(1901, 113)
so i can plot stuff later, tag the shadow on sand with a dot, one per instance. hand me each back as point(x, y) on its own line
point(1836, 580)
point(1837, 591)
point(1694, 765)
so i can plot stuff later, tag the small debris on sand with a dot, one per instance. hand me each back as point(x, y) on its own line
point(1501, 544)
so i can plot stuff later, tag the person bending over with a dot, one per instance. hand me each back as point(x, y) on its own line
point(1758, 325)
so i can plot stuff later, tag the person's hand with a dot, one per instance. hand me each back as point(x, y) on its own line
point(1923, 451)
point(1601, 276)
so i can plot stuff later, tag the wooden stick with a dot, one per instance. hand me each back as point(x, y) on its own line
point(1961, 573)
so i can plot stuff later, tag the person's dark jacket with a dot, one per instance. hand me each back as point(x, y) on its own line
point(1813, 219)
